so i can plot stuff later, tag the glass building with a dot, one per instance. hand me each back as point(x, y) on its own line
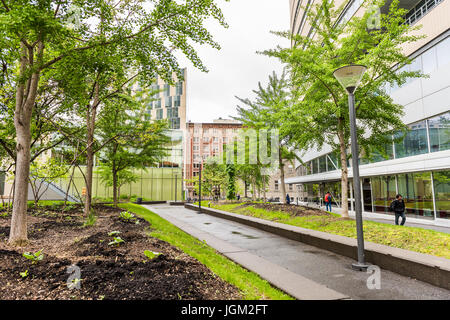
point(414, 163)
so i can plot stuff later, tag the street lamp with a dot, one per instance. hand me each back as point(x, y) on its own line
point(349, 77)
point(200, 188)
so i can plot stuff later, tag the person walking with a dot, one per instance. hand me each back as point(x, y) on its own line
point(398, 206)
point(328, 201)
point(288, 199)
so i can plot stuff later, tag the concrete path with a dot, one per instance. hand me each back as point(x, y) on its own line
point(304, 271)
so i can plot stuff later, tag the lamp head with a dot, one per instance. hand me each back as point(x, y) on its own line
point(350, 76)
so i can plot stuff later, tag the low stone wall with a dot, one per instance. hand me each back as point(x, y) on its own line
point(424, 267)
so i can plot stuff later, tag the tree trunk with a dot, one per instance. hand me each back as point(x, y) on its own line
point(254, 189)
point(91, 116)
point(114, 174)
point(283, 186)
point(26, 93)
point(344, 175)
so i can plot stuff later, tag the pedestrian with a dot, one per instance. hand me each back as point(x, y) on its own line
point(398, 206)
point(288, 199)
point(238, 197)
point(328, 199)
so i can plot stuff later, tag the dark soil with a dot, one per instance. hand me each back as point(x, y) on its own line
point(293, 210)
point(115, 272)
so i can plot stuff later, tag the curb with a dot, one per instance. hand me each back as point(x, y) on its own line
point(423, 267)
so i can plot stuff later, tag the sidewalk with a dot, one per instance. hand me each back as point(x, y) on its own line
point(303, 271)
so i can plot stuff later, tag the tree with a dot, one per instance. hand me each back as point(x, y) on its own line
point(129, 140)
point(267, 112)
point(320, 114)
point(38, 37)
point(121, 178)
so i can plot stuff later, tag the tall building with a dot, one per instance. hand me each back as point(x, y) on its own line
point(419, 166)
point(204, 140)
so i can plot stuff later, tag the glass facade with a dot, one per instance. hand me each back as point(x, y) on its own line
point(441, 183)
point(417, 193)
point(323, 164)
point(414, 142)
point(439, 131)
point(383, 192)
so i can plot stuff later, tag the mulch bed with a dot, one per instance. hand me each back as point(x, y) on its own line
point(293, 210)
point(115, 272)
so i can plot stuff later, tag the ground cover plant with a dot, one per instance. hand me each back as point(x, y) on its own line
point(405, 237)
point(250, 284)
point(113, 258)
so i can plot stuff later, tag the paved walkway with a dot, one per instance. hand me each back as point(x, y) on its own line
point(282, 260)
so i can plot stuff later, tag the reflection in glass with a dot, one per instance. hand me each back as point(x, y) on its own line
point(441, 181)
point(414, 141)
point(439, 128)
point(323, 164)
point(383, 192)
point(417, 193)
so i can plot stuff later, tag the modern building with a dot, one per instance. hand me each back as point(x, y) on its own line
point(204, 140)
point(419, 166)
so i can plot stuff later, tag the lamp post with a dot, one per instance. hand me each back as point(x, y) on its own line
point(200, 188)
point(349, 77)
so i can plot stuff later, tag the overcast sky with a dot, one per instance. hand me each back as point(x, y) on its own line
point(236, 69)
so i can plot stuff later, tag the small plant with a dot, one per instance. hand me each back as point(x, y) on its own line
point(128, 217)
point(91, 219)
point(34, 257)
point(113, 233)
point(151, 254)
point(117, 241)
point(24, 274)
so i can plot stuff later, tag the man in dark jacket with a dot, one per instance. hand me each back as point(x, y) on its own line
point(398, 206)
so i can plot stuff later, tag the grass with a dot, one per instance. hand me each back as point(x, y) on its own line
point(251, 285)
point(409, 238)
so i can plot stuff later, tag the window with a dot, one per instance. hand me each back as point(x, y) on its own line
point(441, 180)
point(175, 123)
point(159, 114)
point(315, 167)
point(196, 148)
point(224, 139)
point(196, 139)
point(179, 88)
point(177, 101)
point(322, 164)
point(166, 90)
point(417, 193)
point(215, 139)
point(439, 131)
point(205, 139)
point(158, 103)
point(414, 141)
point(333, 162)
point(276, 185)
point(291, 187)
point(383, 192)
point(206, 149)
point(168, 102)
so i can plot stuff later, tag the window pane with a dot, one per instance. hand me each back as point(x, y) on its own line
point(439, 128)
point(332, 161)
point(443, 52)
point(383, 192)
point(442, 193)
point(315, 166)
point(414, 142)
point(417, 193)
point(322, 164)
